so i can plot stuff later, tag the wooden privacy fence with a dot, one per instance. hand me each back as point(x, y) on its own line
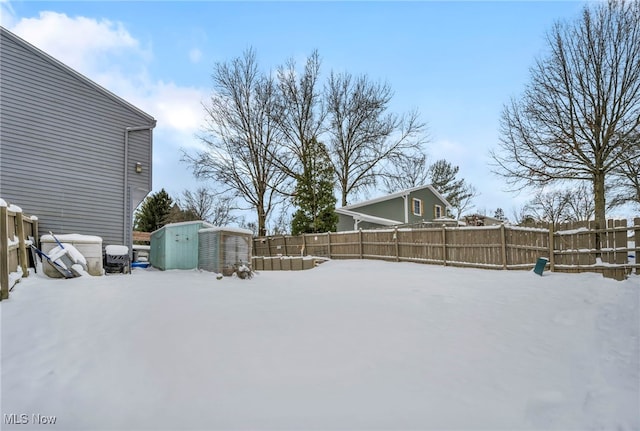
point(570, 247)
point(15, 231)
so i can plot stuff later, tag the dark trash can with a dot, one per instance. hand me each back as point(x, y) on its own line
point(540, 265)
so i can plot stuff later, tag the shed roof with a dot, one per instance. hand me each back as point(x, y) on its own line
point(57, 63)
point(227, 229)
point(202, 223)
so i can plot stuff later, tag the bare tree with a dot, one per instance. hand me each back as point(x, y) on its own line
point(580, 204)
point(583, 103)
point(466, 201)
point(549, 206)
point(241, 137)
point(406, 172)
point(362, 134)
point(205, 204)
point(300, 114)
point(624, 184)
point(521, 215)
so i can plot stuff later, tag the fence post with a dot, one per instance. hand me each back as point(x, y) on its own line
point(304, 245)
point(269, 245)
point(444, 245)
point(329, 244)
point(503, 243)
point(552, 258)
point(36, 235)
point(4, 253)
point(284, 240)
point(395, 238)
point(22, 247)
point(636, 238)
point(360, 242)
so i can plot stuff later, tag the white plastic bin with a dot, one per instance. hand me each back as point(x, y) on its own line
point(89, 246)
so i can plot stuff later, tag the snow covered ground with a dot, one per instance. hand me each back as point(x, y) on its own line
point(348, 345)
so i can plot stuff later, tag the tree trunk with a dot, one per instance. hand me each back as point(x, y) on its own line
point(262, 222)
point(600, 204)
point(344, 193)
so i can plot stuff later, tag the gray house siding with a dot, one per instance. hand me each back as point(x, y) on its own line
point(62, 146)
point(345, 223)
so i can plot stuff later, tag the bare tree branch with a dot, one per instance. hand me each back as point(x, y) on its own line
point(363, 134)
point(241, 137)
point(576, 116)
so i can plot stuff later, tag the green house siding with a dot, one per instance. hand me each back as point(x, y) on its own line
point(429, 201)
point(398, 207)
point(392, 209)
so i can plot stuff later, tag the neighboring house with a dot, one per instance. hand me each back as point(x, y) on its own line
point(412, 206)
point(71, 152)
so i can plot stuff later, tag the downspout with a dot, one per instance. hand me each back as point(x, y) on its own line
point(406, 208)
point(126, 177)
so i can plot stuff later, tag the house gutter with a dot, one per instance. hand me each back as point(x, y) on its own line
point(126, 175)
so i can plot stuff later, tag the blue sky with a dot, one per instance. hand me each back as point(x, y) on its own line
point(456, 62)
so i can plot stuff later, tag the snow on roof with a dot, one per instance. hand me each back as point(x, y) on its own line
point(227, 229)
point(185, 223)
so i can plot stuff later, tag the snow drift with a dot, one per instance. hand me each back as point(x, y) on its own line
point(348, 345)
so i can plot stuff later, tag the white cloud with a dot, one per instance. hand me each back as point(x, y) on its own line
point(178, 107)
point(85, 44)
point(195, 55)
point(108, 54)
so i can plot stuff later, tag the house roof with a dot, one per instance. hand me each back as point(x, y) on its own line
point(368, 218)
point(397, 195)
point(76, 74)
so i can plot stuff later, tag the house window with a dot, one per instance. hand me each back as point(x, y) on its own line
point(417, 206)
point(437, 211)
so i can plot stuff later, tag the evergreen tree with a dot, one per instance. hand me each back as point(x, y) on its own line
point(499, 214)
point(154, 212)
point(456, 191)
point(314, 195)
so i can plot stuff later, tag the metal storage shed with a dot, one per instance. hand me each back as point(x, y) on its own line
point(220, 248)
point(175, 245)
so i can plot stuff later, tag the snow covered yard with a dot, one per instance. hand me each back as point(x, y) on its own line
point(348, 345)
